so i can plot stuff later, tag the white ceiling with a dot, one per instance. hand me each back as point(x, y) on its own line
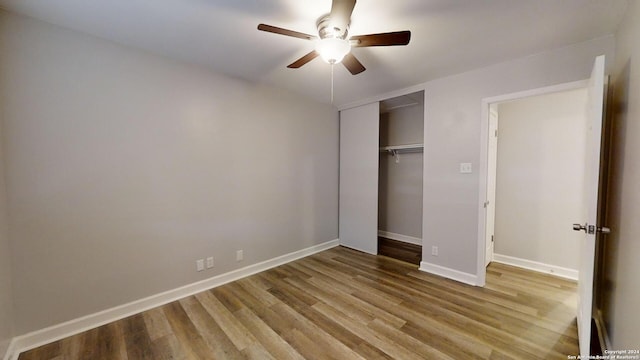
point(448, 36)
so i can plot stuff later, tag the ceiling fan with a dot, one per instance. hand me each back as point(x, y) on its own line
point(333, 43)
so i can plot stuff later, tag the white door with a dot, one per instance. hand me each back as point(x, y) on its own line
point(592, 176)
point(490, 204)
point(359, 149)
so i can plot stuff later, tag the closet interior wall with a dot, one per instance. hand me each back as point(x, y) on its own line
point(400, 176)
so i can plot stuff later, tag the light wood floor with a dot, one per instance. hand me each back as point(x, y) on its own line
point(343, 304)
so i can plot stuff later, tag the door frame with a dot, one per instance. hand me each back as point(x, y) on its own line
point(492, 163)
point(389, 95)
point(483, 171)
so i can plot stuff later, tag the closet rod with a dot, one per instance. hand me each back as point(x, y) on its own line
point(396, 150)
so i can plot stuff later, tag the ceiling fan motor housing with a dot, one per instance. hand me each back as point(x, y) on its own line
point(330, 29)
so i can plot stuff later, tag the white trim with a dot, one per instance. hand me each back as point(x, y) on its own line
point(75, 326)
point(380, 97)
point(482, 171)
point(11, 353)
point(554, 270)
point(603, 333)
point(452, 274)
point(400, 237)
point(574, 85)
point(483, 165)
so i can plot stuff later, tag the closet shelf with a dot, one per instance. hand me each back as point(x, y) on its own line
point(402, 148)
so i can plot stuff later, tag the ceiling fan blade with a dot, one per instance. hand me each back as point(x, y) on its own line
point(286, 32)
point(352, 64)
point(384, 39)
point(303, 60)
point(341, 11)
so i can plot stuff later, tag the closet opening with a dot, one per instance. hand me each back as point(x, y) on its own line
point(400, 177)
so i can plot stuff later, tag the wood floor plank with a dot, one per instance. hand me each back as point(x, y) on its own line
point(136, 338)
point(169, 347)
point(446, 316)
point(379, 341)
point(454, 345)
point(183, 328)
point(461, 308)
point(306, 347)
point(237, 333)
point(257, 352)
point(317, 276)
point(371, 352)
point(109, 344)
point(209, 330)
point(272, 342)
point(339, 333)
point(283, 288)
point(325, 341)
point(404, 251)
point(156, 323)
point(441, 330)
point(334, 299)
point(408, 342)
point(345, 304)
point(261, 310)
point(252, 287)
point(72, 346)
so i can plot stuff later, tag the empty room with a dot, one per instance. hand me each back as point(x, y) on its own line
point(335, 179)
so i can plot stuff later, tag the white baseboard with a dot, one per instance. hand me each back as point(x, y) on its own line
point(605, 341)
point(554, 270)
point(56, 332)
point(11, 353)
point(400, 237)
point(452, 274)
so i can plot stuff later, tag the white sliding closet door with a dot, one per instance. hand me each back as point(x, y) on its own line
point(359, 149)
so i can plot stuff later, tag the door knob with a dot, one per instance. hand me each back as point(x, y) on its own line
point(590, 229)
point(578, 227)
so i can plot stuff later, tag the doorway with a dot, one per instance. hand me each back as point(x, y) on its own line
point(589, 222)
point(400, 177)
point(535, 185)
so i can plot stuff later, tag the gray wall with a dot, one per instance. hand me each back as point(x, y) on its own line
point(540, 177)
point(6, 298)
point(453, 111)
point(400, 184)
point(123, 168)
point(622, 293)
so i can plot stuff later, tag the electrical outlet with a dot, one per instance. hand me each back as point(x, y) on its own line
point(239, 255)
point(209, 262)
point(434, 251)
point(199, 264)
point(465, 168)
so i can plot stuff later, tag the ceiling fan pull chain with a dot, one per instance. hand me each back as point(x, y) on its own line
point(332, 83)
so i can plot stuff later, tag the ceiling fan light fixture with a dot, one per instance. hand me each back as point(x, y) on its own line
point(333, 50)
point(333, 42)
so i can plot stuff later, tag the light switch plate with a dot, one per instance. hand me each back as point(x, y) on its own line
point(465, 168)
